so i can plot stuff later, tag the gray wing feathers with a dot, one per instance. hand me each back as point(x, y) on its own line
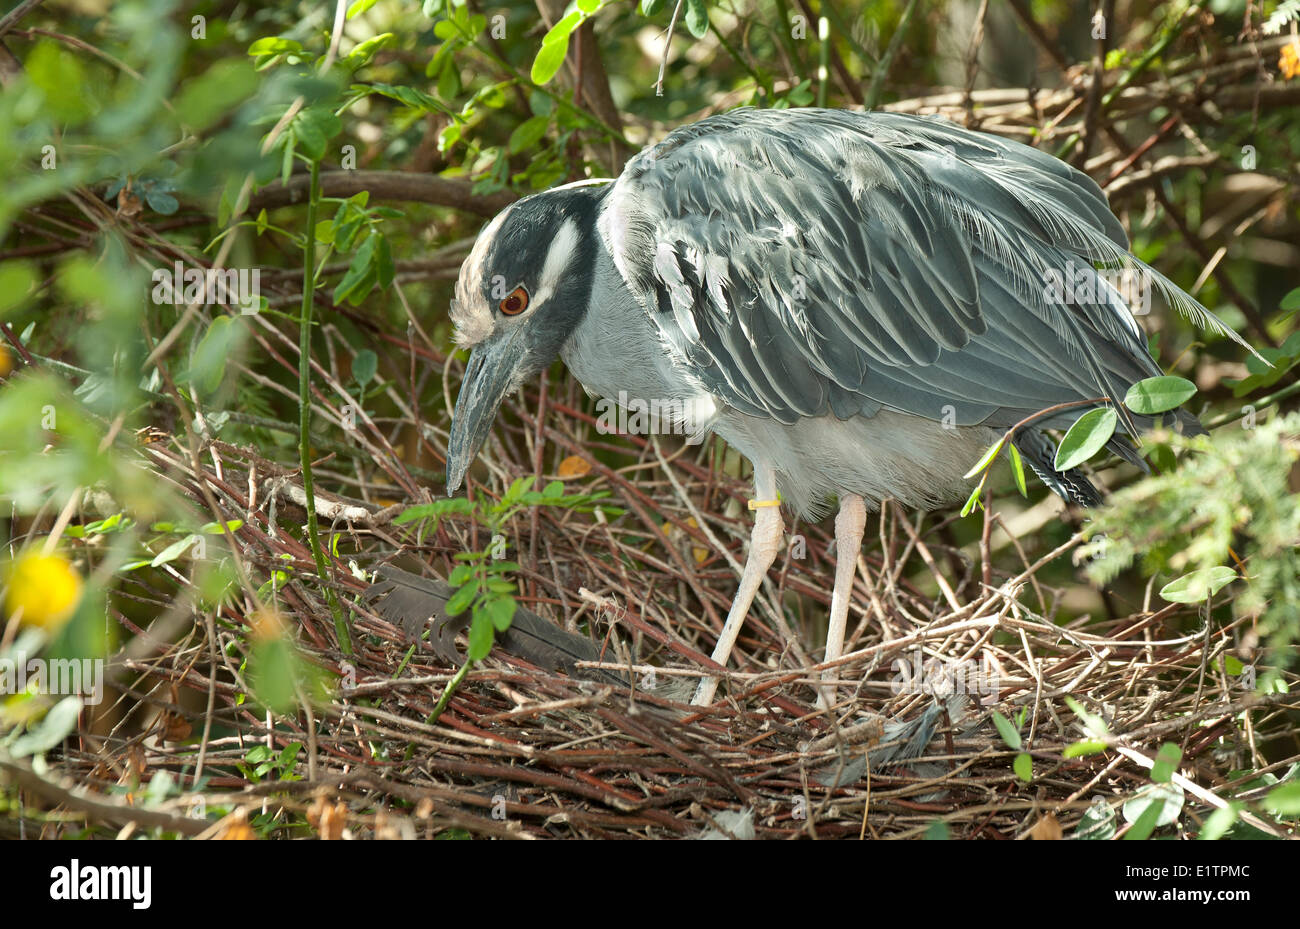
point(810, 261)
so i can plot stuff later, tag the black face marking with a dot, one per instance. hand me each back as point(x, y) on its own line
point(550, 302)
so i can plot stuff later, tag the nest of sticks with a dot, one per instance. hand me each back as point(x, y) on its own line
point(942, 636)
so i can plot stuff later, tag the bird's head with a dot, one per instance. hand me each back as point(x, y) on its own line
point(522, 291)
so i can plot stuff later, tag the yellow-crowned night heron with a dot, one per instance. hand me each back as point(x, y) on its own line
point(858, 302)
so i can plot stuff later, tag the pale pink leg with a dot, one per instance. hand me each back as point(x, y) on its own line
point(850, 523)
point(764, 544)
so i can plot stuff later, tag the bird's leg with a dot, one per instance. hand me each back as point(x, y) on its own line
point(764, 543)
point(850, 523)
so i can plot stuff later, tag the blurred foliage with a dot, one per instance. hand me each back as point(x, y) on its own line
point(1231, 501)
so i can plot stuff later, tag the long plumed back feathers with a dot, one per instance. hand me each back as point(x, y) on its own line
point(804, 262)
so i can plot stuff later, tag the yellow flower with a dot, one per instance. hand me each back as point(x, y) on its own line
point(43, 590)
point(1289, 61)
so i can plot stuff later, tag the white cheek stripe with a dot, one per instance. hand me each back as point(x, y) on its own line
point(470, 315)
point(558, 256)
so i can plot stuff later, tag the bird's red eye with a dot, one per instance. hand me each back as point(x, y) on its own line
point(515, 303)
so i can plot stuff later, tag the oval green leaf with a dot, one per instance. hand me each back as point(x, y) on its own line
point(1086, 437)
point(1219, 822)
point(987, 457)
point(1007, 731)
point(1284, 799)
point(1151, 807)
point(501, 612)
point(697, 18)
point(1018, 470)
point(1159, 394)
point(364, 366)
point(1024, 767)
point(1167, 760)
point(549, 59)
point(1198, 585)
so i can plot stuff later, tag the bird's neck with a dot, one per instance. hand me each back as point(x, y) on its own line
point(615, 348)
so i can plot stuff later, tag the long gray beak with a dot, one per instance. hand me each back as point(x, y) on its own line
point(492, 368)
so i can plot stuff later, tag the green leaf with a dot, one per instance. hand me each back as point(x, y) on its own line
point(549, 60)
point(286, 161)
point(985, 459)
point(385, 270)
point(1167, 759)
point(62, 78)
point(1024, 767)
point(651, 7)
point(234, 525)
point(1146, 822)
point(460, 601)
point(360, 277)
point(364, 52)
point(16, 279)
point(528, 133)
point(204, 100)
point(697, 18)
point(1198, 585)
point(59, 723)
point(416, 99)
point(1151, 807)
point(1219, 822)
point(273, 669)
point(1159, 394)
point(174, 551)
point(1095, 724)
point(1018, 470)
point(359, 7)
point(313, 128)
point(480, 637)
point(1266, 361)
point(161, 202)
point(1084, 748)
point(1233, 665)
point(364, 366)
point(589, 7)
point(561, 30)
point(1097, 824)
point(501, 612)
point(938, 831)
point(1291, 301)
point(273, 45)
point(1007, 731)
point(1284, 799)
point(1162, 456)
point(208, 363)
point(325, 231)
point(973, 500)
point(801, 94)
point(1086, 437)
